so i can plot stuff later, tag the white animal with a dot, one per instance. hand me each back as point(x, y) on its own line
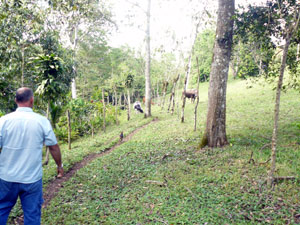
point(137, 107)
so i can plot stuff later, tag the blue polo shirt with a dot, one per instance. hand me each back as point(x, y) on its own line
point(22, 135)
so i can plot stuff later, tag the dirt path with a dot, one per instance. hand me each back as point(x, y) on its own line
point(54, 186)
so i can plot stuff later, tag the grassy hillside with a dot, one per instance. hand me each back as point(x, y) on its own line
point(160, 177)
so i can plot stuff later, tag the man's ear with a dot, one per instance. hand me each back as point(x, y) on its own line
point(31, 101)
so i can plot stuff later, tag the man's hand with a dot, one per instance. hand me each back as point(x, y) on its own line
point(55, 152)
point(60, 172)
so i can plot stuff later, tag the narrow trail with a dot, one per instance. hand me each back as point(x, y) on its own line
point(54, 186)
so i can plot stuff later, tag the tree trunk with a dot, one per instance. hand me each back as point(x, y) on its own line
point(147, 69)
point(165, 87)
point(172, 97)
point(179, 95)
point(74, 92)
point(183, 100)
point(276, 114)
point(128, 105)
point(174, 94)
point(104, 111)
point(197, 100)
point(69, 129)
point(23, 65)
point(157, 94)
point(298, 47)
point(116, 105)
point(188, 71)
point(215, 134)
point(277, 102)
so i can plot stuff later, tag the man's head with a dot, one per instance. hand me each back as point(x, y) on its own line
point(24, 97)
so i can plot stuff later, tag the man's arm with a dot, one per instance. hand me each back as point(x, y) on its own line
point(55, 152)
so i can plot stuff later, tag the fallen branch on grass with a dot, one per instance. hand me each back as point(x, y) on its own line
point(251, 158)
point(277, 179)
point(265, 146)
point(166, 156)
point(262, 163)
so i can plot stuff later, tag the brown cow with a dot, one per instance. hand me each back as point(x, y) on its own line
point(144, 100)
point(191, 93)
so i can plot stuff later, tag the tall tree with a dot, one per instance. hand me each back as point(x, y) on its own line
point(148, 64)
point(215, 133)
point(278, 21)
point(21, 26)
point(291, 15)
point(188, 71)
point(76, 19)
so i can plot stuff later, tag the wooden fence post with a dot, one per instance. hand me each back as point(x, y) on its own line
point(69, 128)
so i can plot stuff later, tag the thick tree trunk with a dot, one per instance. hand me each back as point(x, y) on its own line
point(215, 134)
point(147, 69)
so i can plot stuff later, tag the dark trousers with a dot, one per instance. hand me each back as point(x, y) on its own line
point(31, 196)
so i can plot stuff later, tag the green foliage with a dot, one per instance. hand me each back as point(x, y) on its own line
point(247, 66)
point(164, 70)
point(86, 117)
point(56, 110)
point(54, 81)
point(255, 29)
point(20, 28)
point(204, 51)
point(79, 111)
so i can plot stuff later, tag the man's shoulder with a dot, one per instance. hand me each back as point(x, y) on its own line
point(39, 117)
point(6, 116)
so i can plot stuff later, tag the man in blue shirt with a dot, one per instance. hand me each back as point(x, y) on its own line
point(22, 136)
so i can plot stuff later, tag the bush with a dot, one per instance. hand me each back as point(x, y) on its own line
point(86, 117)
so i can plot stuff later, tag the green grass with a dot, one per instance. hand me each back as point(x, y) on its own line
point(85, 146)
point(160, 177)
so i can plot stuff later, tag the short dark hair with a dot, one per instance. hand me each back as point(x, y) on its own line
point(24, 94)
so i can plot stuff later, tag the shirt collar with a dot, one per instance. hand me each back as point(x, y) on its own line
point(24, 109)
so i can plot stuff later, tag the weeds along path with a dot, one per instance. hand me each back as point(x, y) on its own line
point(54, 186)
